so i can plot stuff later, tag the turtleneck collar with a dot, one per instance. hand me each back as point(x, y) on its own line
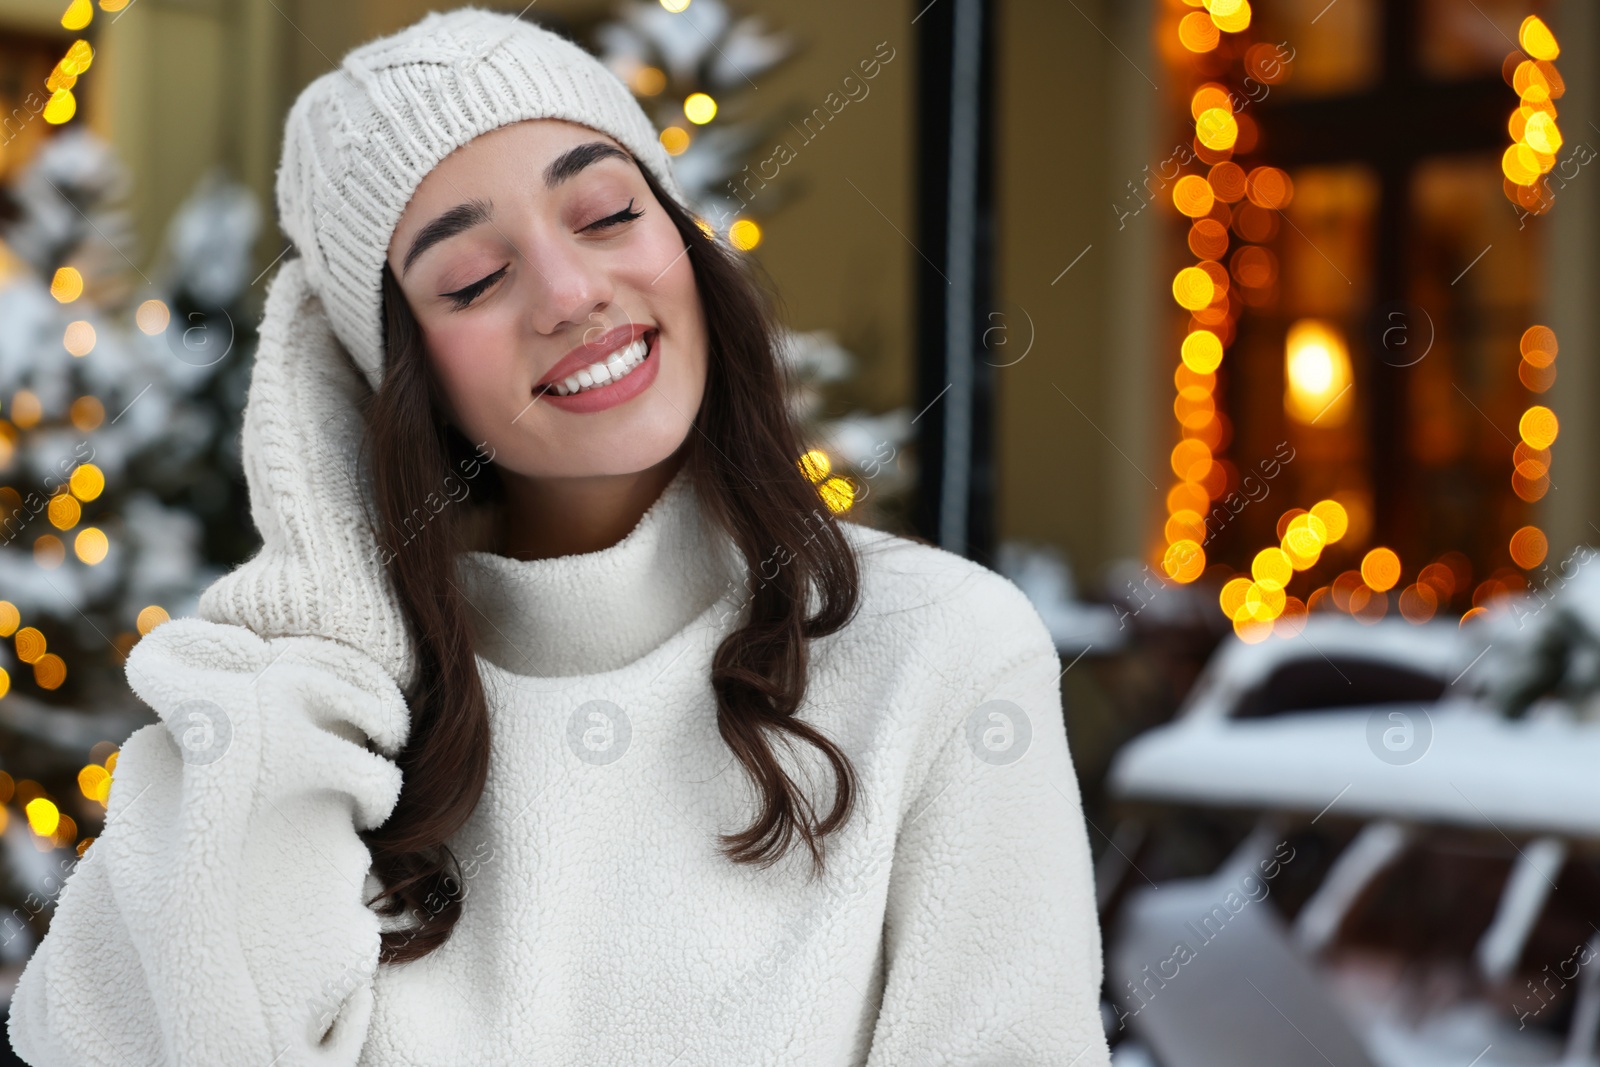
point(599, 611)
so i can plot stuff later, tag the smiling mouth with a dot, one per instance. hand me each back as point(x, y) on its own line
point(615, 367)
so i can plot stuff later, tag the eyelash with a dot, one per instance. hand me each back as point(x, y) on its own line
point(461, 298)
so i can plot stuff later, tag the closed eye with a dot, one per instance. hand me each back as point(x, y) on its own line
point(462, 297)
point(627, 214)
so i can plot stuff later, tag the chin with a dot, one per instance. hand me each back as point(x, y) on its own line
point(626, 451)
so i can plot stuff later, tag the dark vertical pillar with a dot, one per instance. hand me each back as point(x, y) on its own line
point(1387, 385)
point(955, 238)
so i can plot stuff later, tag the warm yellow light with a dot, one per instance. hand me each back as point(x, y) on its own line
point(1528, 547)
point(62, 106)
point(674, 6)
point(77, 59)
point(1202, 351)
point(649, 81)
point(1316, 374)
point(1184, 561)
point(1252, 631)
point(1380, 569)
point(1334, 518)
point(1533, 86)
point(1191, 459)
point(1269, 187)
point(151, 617)
point(87, 413)
point(1418, 602)
point(816, 465)
point(43, 816)
point(1231, 16)
point(91, 545)
point(1197, 32)
point(1192, 196)
point(86, 481)
point(1184, 525)
point(1207, 97)
point(1542, 134)
point(94, 781)
point(1538, 345)
point(1314, 524)
point(1262, 602)
point(1304, 539)
point(675, 139)
point(79, 338)
point(744, 235)
point(66, 285)
point(10, 618)
point(78, 14)
point(1538, 427)
point(1537, 40)
point(1302, 548)
point(152, 317)
point(838, 494)
point(1271, 568)
point(49, 671)
point(1217, 129)
point(1232, 596)
point(1185, 496)
point(699, 108)
point(1194, 406)
point(61, 77)
point(30, 644)
point(64, 511)
point(26, 409)
point(1192, 288)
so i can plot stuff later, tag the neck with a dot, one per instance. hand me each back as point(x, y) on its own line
point(599, 610)
point(544, 518)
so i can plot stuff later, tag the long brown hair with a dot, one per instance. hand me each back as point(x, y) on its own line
point(743, 453)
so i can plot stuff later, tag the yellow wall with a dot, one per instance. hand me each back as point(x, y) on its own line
point(1080, 417)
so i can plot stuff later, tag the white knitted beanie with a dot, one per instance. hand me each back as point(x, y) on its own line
point(357, 143)
point(361, 138)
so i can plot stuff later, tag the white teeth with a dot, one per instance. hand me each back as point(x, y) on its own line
point(618, 365)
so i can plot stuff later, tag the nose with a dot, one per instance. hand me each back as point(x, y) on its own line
point(571, 285)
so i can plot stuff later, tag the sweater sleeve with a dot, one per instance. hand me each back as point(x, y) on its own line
point(991, 941)
point(219, 919)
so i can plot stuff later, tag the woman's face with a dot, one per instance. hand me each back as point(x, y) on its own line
point(528, 256)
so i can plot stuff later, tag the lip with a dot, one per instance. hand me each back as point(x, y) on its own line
point(612, 393)
point(614, 339)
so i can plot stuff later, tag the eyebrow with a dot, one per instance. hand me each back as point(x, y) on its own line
point(465, 216)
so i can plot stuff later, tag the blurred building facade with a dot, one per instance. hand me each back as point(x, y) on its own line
point(1083, 324)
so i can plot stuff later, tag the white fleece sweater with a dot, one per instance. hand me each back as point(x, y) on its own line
point(218, 919)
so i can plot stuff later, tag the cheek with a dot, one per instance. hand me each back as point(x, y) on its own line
point(673, 282)
point(465, 374)
point(680, 298)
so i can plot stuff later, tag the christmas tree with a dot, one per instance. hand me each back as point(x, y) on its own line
point(120, 493)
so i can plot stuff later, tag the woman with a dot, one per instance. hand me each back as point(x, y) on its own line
point(556, 721)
